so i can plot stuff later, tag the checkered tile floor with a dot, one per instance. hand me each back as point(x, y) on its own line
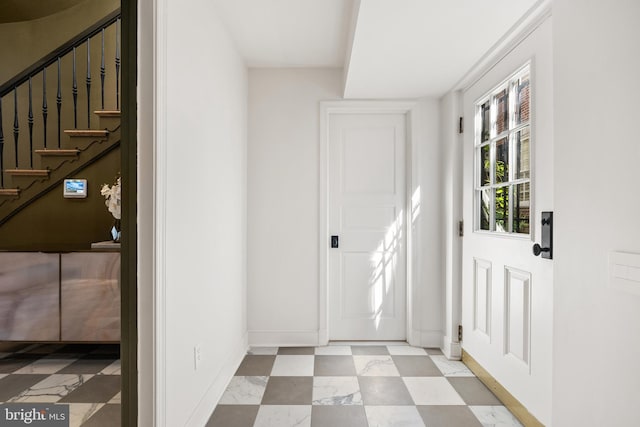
point(356, 386)
point(87, 377)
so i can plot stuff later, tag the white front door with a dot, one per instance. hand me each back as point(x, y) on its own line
point(366, 211)
point(507, 292)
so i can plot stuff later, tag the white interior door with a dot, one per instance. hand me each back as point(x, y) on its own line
point(366, 201)
point(507, 292)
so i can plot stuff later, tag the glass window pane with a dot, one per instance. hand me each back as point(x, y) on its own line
point(521, 208)
point(485, 209)
point(502, 160)
point(522, 92)
point(501, 200)
point(502, 111)
point(522, 147)
point(485, 121)
point(485, 166)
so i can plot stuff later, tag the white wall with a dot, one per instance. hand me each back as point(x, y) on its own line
point(283, 182)
point(283, 185)
point(200, 209)
point(596, 346)
point(427, 254)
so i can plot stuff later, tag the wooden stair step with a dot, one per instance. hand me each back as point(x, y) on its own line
point(87, 133)
point(57, 153)
point(107, 113)
point(11, 192)
point(27, 172)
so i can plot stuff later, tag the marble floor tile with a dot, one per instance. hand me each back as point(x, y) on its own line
point(406, 350)
point(233, 416)
point(338, 416)
point(107, 416)
point(280, 416)
point(45, 366)
point(495, 416)
point(259, 365)
point(393, 416)
point(296, 350)
point(244, 391)
point(334, 366)
point(13, 385)
point(293, 366)
point(336, 391)
point(113, 369)
point(86, 366)
point(433, 351)
point(265, 351)
point(375, 366)
point(369, 350)
point(12, 363)
point(416, 366)
point(451, 368)
point(3, 375)
point(473, 392)
point(448, 416)
point(288, 391)
point(334, 350)
point(384, 391)
point(52, 388)
point(99, 388)
point(432, 391)
point(79, 413)
point(117, 398)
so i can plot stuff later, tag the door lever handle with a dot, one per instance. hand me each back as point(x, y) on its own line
point(537, 249)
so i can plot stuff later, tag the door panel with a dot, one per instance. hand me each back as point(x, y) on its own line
point(507, 292)
point(366, 197)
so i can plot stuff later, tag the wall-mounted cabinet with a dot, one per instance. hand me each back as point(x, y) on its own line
point(60, 297)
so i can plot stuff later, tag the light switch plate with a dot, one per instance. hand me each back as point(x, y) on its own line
point(624, 271)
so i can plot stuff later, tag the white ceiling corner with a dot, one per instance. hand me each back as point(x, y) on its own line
point(288, 33)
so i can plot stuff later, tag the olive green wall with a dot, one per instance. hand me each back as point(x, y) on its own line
point(23, 43)
point(53, 223)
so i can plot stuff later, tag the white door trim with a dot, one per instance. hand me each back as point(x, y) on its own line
point(327, 108)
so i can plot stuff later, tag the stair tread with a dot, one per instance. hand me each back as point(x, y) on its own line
point(9, 191)
point(107, 113)
point(57, 152)
point(86, 132)
point(27, 172)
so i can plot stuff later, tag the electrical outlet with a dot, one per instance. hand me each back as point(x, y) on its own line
point(197, 356)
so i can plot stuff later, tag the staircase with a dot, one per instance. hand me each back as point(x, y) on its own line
point(45, 111)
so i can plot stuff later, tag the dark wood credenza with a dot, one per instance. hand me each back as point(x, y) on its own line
point(67, 297)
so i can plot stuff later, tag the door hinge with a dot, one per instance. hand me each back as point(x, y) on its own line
point(459, 333)
point(460, 228)
point(461, 125)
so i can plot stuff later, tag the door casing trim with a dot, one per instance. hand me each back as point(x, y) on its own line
point(328, 108)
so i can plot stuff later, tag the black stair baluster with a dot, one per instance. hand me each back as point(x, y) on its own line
point(16, 124)
point(74, 91)
point(102, 73)
point(118, 64)
point(88, 84)
point(1, 149)
point(30, 125)
point(59, 102)
point(45, 109)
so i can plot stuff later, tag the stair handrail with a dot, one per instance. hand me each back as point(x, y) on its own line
point(23, 76)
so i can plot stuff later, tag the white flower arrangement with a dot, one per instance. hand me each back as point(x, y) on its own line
point(112, 198)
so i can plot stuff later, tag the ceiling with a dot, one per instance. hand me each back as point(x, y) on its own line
point(398, 48)
point(26, 10)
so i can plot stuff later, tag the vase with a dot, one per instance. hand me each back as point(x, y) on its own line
point(115, 231)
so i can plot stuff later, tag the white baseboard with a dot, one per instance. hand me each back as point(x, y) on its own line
point(283, 338)
point(452, 350)
point(207, 404)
